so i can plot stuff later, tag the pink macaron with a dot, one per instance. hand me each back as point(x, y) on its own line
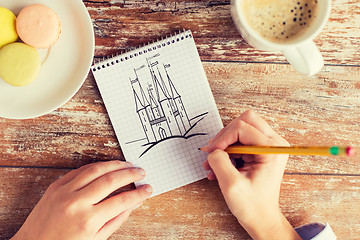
point(38, 26)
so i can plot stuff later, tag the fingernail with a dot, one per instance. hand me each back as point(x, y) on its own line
point(211, 176)
point(148, 188)
point(141, 171)
point(204, 149)
point(128, 164)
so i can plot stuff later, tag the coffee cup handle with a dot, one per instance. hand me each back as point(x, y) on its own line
point(306, 58)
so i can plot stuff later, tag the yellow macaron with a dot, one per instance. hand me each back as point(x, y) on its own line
point(8, 32)
point(19, 64)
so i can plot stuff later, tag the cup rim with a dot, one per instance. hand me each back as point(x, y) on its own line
point(254, 34)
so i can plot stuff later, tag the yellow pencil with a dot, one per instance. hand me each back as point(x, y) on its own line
point(296, 150)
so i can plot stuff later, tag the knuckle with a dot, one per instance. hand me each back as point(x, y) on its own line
point(116, 163)
point(278, 141)
point(134, 172)
point(145, 191)
point(239, 123)
point(137, 195)
point(215, 155)
point(86, 221)
point(70, 208)
point(269, 141)
point(124, 197)
point(95, 169)
point(86, 225)
point(249, 114)
point(110, 179)
point(52, 187)
point(283, 142)
point(85, 166)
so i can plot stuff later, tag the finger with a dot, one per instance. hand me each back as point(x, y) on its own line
point(242, 132)
point(108, 183)
point(72, 174)
point(258, 122)
point(278, 162)
point(115, 205)
point(231, 125)
point(217, 135)
point(206, 165)
point(211, 175)
point(223, 168)
point(95, 171)
point(113, 225)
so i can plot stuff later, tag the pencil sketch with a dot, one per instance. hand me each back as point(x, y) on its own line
point(160, 107)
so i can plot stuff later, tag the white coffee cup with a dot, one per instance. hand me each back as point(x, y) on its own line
point(301, 52)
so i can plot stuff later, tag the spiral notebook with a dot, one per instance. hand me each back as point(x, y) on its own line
point(162, 110)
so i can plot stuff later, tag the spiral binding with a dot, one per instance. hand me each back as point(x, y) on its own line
point(140, 50)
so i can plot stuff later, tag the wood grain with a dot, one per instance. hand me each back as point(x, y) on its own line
point(306, 111)
point(124, 24)
point(321, 110)
point(197, 211)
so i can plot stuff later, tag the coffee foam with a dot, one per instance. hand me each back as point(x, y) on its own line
point(280, 20)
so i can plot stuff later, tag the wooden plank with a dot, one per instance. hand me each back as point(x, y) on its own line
point(20, 190)
point(74, 135)
point(123, 24)
point(197, 211)
point(332, 199)
point(320, 110)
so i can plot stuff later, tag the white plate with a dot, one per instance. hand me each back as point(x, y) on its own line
point(65, 69)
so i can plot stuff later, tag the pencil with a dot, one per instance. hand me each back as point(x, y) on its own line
point(295, 150)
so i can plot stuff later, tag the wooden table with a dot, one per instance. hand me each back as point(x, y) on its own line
point(319, 110)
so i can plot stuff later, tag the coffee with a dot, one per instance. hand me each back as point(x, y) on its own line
point(280, 20)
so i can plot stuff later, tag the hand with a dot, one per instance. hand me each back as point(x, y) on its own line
point(252, 191)
point(74, 207)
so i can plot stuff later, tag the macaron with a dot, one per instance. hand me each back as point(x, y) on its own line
point(38, 26)
point(7, 27)
point(19, 64)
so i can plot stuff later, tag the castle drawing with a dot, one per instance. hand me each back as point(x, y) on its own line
point(159, 105)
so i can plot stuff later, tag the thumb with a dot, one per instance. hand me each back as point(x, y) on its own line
point(225, 171)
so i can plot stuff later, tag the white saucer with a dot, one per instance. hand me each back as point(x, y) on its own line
point(65, 69)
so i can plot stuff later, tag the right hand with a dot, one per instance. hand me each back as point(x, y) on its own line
point(251, 192)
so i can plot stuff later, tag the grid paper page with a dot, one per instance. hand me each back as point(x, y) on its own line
point(162, 109)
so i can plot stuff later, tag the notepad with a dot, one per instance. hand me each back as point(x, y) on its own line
point(162, 109)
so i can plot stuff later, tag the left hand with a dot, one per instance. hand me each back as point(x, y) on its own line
point(76, 206)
